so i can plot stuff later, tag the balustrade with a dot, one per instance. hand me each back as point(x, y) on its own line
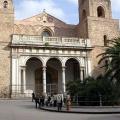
point(59, 41)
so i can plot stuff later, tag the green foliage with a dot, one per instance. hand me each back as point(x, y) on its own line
point(112, 54)
point(91, 90)
point(47, 44)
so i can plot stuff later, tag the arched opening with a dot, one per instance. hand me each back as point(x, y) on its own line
point(100, 12)
point(84, 14)
point(105, 40)
point(54, 76)
point(5, 4)
point(46, 33)
point(72, 70)
point(34, 72)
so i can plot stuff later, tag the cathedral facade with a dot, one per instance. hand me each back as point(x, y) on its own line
point(43, 53)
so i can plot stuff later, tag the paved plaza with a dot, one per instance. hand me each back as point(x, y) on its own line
point(25, 110)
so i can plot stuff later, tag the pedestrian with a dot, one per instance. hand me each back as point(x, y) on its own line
point(43, 100)
point(37, 102)
point(59, 102)
point(68, 102)
point(55, 101)
point(33, 96)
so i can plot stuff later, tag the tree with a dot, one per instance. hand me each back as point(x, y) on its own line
point(91, 89)
point(112, 56)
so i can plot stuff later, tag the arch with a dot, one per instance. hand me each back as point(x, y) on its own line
point(100, 12)
point(56, 59)
point(5, 4)
point(84, 15)
point(72, 69)
point(33, 58)
point(34, 75)
point(54, 75)
point(30, 57)
point(46, 33)
point(74, 59)
point(47, 29)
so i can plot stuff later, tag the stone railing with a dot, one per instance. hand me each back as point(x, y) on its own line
point(50, 41)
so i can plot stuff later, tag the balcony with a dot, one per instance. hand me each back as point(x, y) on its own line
point(27, 40)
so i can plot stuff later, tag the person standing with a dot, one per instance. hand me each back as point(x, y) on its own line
point(59, 102)
point(33, 96)
point(68, 102)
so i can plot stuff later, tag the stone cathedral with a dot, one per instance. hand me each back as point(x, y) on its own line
point(43, 53)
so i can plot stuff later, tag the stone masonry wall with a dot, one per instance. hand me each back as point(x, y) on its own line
point(6, 29)
point(97, 28)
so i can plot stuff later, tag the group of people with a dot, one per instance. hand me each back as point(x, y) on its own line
point(57, 100)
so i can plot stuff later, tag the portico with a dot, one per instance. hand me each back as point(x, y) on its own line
point(46, 68)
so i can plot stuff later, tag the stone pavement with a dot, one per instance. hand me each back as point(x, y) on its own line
point(25, 110)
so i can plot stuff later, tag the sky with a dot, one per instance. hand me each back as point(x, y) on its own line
point(65, 10)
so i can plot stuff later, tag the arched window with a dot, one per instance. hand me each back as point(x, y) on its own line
point(105, 40)
point(100, 12)
point(83, 14)
point(46, 33)
point(5, 4)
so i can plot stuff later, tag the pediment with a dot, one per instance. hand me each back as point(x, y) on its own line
point(43, 18)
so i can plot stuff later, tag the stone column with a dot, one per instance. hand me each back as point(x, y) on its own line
point(63, 80)
point(82, 73)
point(44, 80)
point(24, 78)
point(14, 75)
point(89, 66)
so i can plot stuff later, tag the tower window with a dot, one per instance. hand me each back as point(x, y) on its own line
point(5, 4)
point(100, 12)
point(105, 40)
point(84, 14)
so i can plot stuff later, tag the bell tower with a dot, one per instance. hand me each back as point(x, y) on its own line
point(95, 8)
point(6, 30)
point(6, 20)
point(96, 23)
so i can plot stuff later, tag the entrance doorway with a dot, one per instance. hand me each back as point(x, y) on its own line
point(72, 70)
point(34, 72)
point(53, 78)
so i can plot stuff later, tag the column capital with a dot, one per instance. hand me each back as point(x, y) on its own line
point(23, 67)
point(82, 68)
point(44, 68)
point(63, 67)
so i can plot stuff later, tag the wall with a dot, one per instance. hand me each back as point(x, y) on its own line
point(6, 29)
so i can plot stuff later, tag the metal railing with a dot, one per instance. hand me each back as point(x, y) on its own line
point(27, 90)
point(86, 101)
